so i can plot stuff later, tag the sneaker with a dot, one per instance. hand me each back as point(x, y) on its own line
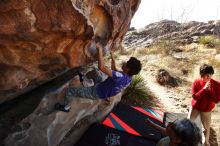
point(61, 107)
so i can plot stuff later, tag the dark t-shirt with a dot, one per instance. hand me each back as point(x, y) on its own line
point(113, 85)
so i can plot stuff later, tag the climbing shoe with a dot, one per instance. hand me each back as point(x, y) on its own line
point(61, 107)
point(80, 76)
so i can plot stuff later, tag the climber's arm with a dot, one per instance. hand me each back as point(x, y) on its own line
point(156, 126)
point(113, 65)
point(101, 64)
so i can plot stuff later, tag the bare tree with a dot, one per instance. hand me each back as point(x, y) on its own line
point(186, 12)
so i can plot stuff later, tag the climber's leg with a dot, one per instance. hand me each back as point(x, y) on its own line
point(81, 92)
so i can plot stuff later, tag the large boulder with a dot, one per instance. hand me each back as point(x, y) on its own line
point(47, 127)
point(164, 78)
point(40, 39)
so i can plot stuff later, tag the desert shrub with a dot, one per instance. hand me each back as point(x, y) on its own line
point(137, 90)
point(166, 47)
point(142, 51)
point(134, 33)
point(209, 41)
point(214, 62)
point(124, 51)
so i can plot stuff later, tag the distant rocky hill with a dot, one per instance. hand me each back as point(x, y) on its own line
point(166, 29)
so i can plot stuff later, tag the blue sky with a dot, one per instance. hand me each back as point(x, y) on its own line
point(179, 10)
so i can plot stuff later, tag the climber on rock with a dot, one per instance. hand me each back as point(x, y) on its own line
point(114, 84)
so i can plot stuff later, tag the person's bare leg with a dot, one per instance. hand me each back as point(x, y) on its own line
point(193, 114)
point(206, 122)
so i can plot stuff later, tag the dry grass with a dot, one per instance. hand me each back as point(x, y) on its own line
point(211, 42)
point(161, 56)
point(197, 55)
point(141, 51)
point(125, 52)
point(216, 64)
point(164, 47)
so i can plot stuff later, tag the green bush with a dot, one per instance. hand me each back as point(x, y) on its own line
point(137, 90)
point(209, 41)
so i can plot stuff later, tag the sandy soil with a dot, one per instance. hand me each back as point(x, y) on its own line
point(173, 100)
point(176, 99)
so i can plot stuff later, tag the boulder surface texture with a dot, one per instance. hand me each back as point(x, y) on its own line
point(39, 41)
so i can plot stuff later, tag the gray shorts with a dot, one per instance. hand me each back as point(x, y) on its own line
point(81, 92)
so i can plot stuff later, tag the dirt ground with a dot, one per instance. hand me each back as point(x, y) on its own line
point(177, 99)
point(173, 100)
